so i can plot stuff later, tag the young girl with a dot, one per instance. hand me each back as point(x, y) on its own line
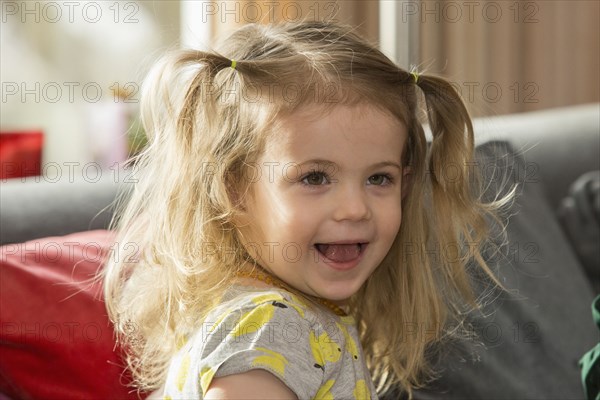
point(297, 238)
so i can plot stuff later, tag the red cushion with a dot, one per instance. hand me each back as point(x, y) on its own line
point(55, 339)
point(20, 153)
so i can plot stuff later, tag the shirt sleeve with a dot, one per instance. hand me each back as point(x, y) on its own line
point(268, 333)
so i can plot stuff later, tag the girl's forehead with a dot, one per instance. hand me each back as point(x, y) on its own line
point(312, 126)
point(317, 112)
point(340, 116)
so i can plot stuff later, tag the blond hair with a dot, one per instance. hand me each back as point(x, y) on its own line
point(207, 123)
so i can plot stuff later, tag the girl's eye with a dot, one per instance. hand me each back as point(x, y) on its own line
point(315, 178)
point(380, 180)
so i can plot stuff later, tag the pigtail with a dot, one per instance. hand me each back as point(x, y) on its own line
point(200, 90)
point(458, 211)
point(451, 149)
point(150, 295)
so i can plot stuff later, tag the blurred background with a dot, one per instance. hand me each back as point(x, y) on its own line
point(71, 71)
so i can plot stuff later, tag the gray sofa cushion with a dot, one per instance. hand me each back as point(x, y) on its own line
point(533, 334)
point(557, 145)
point(39, 207)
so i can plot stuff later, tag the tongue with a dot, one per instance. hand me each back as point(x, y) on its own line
point(340, 252)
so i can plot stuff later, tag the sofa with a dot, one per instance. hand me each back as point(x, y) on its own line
point(529, 337)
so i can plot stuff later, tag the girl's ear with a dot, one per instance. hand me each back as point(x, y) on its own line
point(407, 177)
point(240, 198)
point(236, 192)
point(236, 198)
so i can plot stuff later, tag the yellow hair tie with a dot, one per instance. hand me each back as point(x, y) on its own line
point(415, 76)
point(233, 64)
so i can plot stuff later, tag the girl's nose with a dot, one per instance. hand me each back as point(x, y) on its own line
point(352, 205)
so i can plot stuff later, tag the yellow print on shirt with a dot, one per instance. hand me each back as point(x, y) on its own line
point(324, 349)
point(361, 391)
point(256, 318)
point(183, 372)
point(324, 392)
point(272, 359)
point(351, 346)
point(206, 377)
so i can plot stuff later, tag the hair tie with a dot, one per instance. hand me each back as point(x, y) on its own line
point(233, 64)
point(415, 76)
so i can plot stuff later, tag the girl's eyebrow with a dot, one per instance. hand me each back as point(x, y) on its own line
point(387, 164)
point(318, 161)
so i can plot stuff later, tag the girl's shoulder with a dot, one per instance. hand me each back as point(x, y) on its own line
point(274, 307)
point(272, 317)
point(273, 330)
point(242, 299)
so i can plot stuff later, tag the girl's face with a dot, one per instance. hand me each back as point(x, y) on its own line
point(325, 203)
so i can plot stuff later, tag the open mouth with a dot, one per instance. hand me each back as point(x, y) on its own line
point(341, 253)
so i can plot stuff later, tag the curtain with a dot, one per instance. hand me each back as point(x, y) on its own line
point(227, 15)
point(513, 56)
point(504, 56)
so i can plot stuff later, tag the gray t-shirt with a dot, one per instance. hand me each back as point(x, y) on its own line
point(317, 354)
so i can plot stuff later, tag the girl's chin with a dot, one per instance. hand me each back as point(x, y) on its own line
point(338, 297)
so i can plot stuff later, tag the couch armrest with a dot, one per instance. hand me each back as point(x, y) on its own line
point(38, 207)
